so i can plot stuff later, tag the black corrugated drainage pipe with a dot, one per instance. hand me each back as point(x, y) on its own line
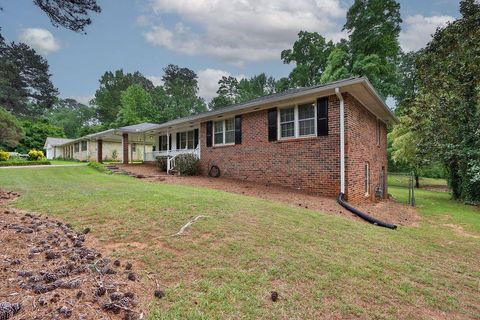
point(364, 216)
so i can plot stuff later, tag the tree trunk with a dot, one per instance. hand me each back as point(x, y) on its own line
point(417, 180)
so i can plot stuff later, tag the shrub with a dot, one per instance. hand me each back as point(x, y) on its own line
point(114, 154)
point(97, 166)
point(24, 163)
point(187, 164)
point(4, 155)
point(35, 154)
point(161, 162)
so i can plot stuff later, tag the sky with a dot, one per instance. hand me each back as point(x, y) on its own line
point(214, 38)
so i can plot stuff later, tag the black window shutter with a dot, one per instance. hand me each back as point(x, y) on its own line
point(170, 141)
point(322, 116)
point(178, 141)
point(272, 124)
point(209, 133)
point(238, 129)
point(195, 138)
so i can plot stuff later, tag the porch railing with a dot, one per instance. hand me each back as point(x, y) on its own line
point(171, 154)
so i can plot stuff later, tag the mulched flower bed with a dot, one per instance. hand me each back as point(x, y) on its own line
point(48, 272)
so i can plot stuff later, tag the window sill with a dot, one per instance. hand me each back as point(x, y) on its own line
point(297, 139)
point(222, 145)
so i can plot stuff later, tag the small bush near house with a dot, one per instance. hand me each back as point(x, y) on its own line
point(114, 154)
point(97, 166)
point(35, 155)
point(4, 156)
point(161, 162)
point(187, 164)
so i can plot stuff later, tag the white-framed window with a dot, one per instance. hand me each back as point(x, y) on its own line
point(182, 144)
point(84, 145)
point(163, 143)
point(190, 140)
point(134, 147)
point(367, 179)
point(224, 132)
point(76, 147)
point(186, 140)
point(297, 121)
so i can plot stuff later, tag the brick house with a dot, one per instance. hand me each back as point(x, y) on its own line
point(323, 139)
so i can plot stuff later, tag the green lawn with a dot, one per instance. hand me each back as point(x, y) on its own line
point(323, 266)
point(57, 161)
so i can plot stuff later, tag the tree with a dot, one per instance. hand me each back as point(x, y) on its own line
point(25, 86)
point(405, 148)
point(446, 113)
point(337, 66)
point(136, 106)
point(71, 115)
point(372, 49)
point(11, 131)
point(107, 97)
point(310, 53)
point(374, 27)
point(181, 87)
point(232, 91)
point(71, 14)
point(36, 132)
point(408, 82)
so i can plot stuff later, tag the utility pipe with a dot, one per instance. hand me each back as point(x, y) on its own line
point(342, 140)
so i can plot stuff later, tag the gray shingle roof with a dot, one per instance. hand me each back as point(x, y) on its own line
point(141, 127)
point(57, 141)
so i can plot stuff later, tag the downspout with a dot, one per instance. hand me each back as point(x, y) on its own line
point(341, 196)
point(342, 140)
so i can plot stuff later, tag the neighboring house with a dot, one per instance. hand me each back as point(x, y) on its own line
point(53, 149)
point(106, 145)
point(323, 139)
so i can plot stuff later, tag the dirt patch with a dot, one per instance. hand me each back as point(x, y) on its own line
point(388, 210)
point(459, 230)
point(49, 271)
point(436, 188)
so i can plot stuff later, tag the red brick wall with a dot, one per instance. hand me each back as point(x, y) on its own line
point(361, 146)
point(311, 164)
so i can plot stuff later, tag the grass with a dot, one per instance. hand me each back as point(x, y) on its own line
point(57, 161)
point(323, 266)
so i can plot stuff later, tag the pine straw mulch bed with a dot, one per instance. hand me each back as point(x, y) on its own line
point(50, 271)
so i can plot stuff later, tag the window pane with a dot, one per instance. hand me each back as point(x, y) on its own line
point(230, 137)
point(306, 111)
point(218, 138)
point(229, 125)
point(287, 130)
point(183, 140)
point(163, 143)
point(190, 139)
point(218, 126)
point(287, 114)
point(306, 127)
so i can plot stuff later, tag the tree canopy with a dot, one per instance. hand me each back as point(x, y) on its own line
point(11, 131)
point(25, 85)
point(446, 110)
point(36, 132)
point(107, 97)
point(71, 14)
